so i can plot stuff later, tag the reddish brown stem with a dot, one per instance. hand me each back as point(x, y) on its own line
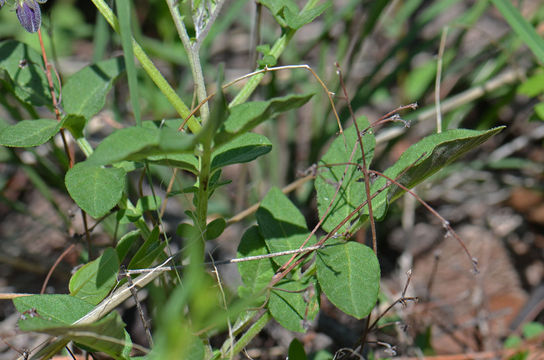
point(64, 253)
point(58, 116)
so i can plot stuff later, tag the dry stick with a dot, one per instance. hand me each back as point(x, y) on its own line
point(138, 307)
point(265, 70)
point(445, 223)
point(224, 262)
point(278, 276)
point(64, 253)
point(329, 207)
point(365, 169)
point(432, 277)
point(402, 300)
point(455, 101)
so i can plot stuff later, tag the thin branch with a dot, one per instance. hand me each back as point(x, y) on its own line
point(365, 167)
point(263, 71)
point(438, 78)
point(228, 261)
point(64, 253)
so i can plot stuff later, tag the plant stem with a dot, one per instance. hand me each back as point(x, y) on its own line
point(150, 68)
point(250, 334)
point(276, 51)
point(192, 55)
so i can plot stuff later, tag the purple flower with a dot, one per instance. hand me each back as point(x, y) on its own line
point(29, 14)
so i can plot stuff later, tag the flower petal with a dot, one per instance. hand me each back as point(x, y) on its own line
point(29, 15)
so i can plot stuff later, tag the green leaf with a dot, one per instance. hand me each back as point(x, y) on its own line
point(245, 148)
point(522, 28)
point(85, 92)
point(255, 274)
point(28, 133)
point(352, 190)
point(148, 203)
point(349, 274)
point(289, 307)
point(532, 329)
point(55, 315)
point(95, 189)
point(110, 335)
point(187, 162)
point(281, 224)
point(296, 350)
point(75, 124)
point(138, 143)
point(215, 228)
point(246, 116)
point(94, 281)
point(533, 86)
point(296, 20)
point(539, 110)
point(148, 252)
point(24, 66)
point(125, 243)
point(41, 312)
point(424, 159)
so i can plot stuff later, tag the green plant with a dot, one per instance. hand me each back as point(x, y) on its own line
point(284, 265)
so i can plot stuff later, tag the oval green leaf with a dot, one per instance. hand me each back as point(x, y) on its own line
point(95, 189)
point(349, 274)
point(28, 133)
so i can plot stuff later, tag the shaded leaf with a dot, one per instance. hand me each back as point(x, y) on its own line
point(95, 189)
point(23, 65)
point(85, 92)
point(148, 252)
point(125, 243)
point(244, 148)
point(138, 143)
point(349, 274)
point(296, 350)
point(290, 308)
point(215, 228)
point(246, 116)
point(281, 224)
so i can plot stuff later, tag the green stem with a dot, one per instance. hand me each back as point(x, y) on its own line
point(194, 59)
point(276, 51)
point(253, 331)
point(151, 69)
point(251, 85)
